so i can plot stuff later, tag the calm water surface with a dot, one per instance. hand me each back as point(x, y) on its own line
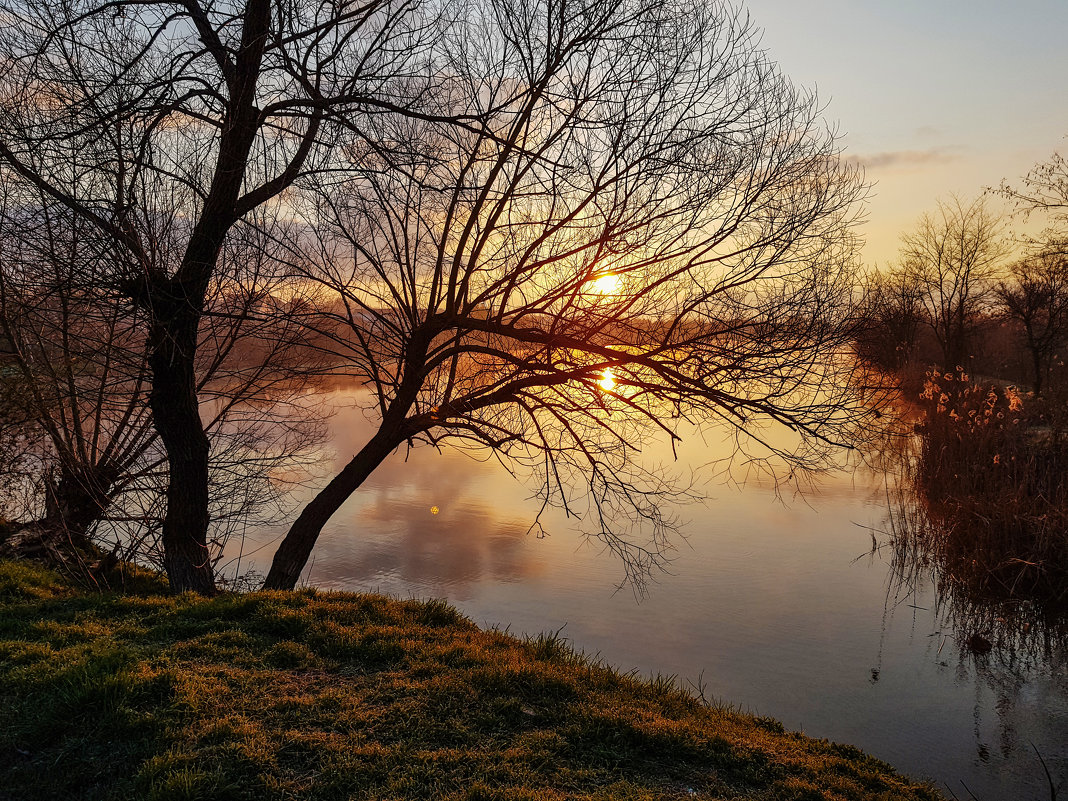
point(778, 607)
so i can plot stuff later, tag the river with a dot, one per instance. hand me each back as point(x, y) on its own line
point(777, 605)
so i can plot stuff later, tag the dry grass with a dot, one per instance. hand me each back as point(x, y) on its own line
point(992, 469)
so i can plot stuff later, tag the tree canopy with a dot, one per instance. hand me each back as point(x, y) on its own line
point(542, 228)
point(652, 227)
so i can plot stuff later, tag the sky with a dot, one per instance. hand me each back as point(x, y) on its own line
point(934, 97)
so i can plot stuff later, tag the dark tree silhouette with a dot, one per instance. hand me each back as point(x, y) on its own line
point(1034, 293)
point(134, 111)
point(890, 317)
point(87, 451)
point(1036, 296)
point(652, 229)
point(953, 258)
point(81, 364)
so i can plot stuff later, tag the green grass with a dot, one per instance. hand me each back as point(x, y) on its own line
point(316, 695)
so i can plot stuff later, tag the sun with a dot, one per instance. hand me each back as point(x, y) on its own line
point(608, 381)
point(606, 284)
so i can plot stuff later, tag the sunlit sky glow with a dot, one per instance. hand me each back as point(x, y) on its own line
point(607, 284)
point(932, 96)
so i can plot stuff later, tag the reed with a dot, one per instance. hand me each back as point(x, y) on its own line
point(991, 470)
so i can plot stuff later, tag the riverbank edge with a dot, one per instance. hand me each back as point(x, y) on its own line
point(329, 695)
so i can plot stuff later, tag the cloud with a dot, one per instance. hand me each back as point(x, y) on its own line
point(904, 159)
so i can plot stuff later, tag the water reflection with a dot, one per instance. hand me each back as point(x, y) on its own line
point(422, 520)
point(766, 598)
point(1014, 656)
point(466, 542)
point(1034, 627)
point(1013, 651)
point(1000, 625)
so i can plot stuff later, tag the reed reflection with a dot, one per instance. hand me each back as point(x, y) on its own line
point(974, 538)
point(977, 500)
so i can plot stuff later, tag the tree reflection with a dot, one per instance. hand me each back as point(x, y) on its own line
point(469, 540)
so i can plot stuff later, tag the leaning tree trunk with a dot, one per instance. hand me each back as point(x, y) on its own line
point(292, 555)
point(296, 547)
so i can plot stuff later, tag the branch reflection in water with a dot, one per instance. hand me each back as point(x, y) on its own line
point(764, 597)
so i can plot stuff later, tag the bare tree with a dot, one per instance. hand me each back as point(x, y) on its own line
point(891, 311)
point(1044, 189)
point(1036, 296)
point(81, 365)
point(651, 230)
point(89, 454)
point(953, 258)
point(142, 114)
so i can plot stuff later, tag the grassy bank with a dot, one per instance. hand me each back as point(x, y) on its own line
point(337, 696)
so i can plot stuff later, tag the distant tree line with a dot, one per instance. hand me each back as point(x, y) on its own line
point(956, 297)
point(973, 326)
